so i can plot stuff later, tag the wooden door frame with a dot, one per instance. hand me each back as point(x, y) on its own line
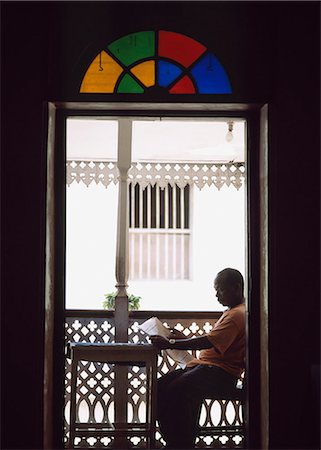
point(256, 116)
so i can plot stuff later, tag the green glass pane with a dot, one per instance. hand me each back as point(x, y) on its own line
point(129, 85)
point(134, 47)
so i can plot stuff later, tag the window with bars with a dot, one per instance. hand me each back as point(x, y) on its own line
point(159, 232)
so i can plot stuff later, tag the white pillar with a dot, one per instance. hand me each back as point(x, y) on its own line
point(122, 265)
point(122, 268)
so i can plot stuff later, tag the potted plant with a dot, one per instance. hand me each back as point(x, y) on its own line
point(133, 301)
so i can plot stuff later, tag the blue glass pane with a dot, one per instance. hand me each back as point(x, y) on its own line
point(210, 76)
point(167, 72)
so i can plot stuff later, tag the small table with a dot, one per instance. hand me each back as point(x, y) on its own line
point(123, 354)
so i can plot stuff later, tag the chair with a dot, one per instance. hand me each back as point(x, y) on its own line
point(123, 354)
point(237, 427)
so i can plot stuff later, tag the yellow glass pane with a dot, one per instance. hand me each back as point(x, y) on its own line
point(145, 72)
point(101, 75)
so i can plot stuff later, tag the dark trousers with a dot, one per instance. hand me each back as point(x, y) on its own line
point(180, 395)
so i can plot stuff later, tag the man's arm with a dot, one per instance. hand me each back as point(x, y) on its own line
point(195, 343)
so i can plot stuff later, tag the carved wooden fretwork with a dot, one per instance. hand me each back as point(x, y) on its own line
point(96, 383)
point(162, 174)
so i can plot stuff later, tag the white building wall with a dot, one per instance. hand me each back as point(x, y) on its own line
point(217, 241)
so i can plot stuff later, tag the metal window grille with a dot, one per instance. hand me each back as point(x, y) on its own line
point(159, 232)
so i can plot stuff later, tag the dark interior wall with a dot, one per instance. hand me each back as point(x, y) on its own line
point(295, 230)
point(24, 69)
point(271, 52)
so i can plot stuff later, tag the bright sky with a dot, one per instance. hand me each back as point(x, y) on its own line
point(157, 140)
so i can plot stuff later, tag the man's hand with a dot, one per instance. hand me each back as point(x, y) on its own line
point(175, 334)
point(160, 342)
point(194, 343)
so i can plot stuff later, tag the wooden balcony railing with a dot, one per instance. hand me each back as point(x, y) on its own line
point(96, 384)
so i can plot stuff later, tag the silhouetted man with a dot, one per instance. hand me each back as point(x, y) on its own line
point(216, 370)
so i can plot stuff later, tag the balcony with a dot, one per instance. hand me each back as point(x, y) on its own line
point(96, 381)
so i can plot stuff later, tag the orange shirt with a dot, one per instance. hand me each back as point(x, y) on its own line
point(228, 340)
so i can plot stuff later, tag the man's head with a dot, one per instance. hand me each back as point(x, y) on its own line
point(229, 286)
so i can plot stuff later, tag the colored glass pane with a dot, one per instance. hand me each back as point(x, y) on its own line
point(145, 72)
point(178, 47)
point(102, 74)
point(129, 85)
point(167, 72)
point(133, 47)
point(159, 71)
point(183, 86)
point(210, 76)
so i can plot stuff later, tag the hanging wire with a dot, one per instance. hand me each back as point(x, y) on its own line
point(100, 65)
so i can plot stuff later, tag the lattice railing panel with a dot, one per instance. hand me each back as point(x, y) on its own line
point(95, 386)
point(162, 174)
point(97, 441)
point(86, 329)
point(220, 440)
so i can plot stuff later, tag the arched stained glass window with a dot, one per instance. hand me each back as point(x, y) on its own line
point(149, 60)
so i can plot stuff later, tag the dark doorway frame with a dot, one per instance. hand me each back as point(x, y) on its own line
point(256, 116)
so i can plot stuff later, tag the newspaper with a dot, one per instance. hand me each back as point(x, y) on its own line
point(154, 326)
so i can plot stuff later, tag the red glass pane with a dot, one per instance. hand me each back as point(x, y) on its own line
point(184, 86)
point(179, 48)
